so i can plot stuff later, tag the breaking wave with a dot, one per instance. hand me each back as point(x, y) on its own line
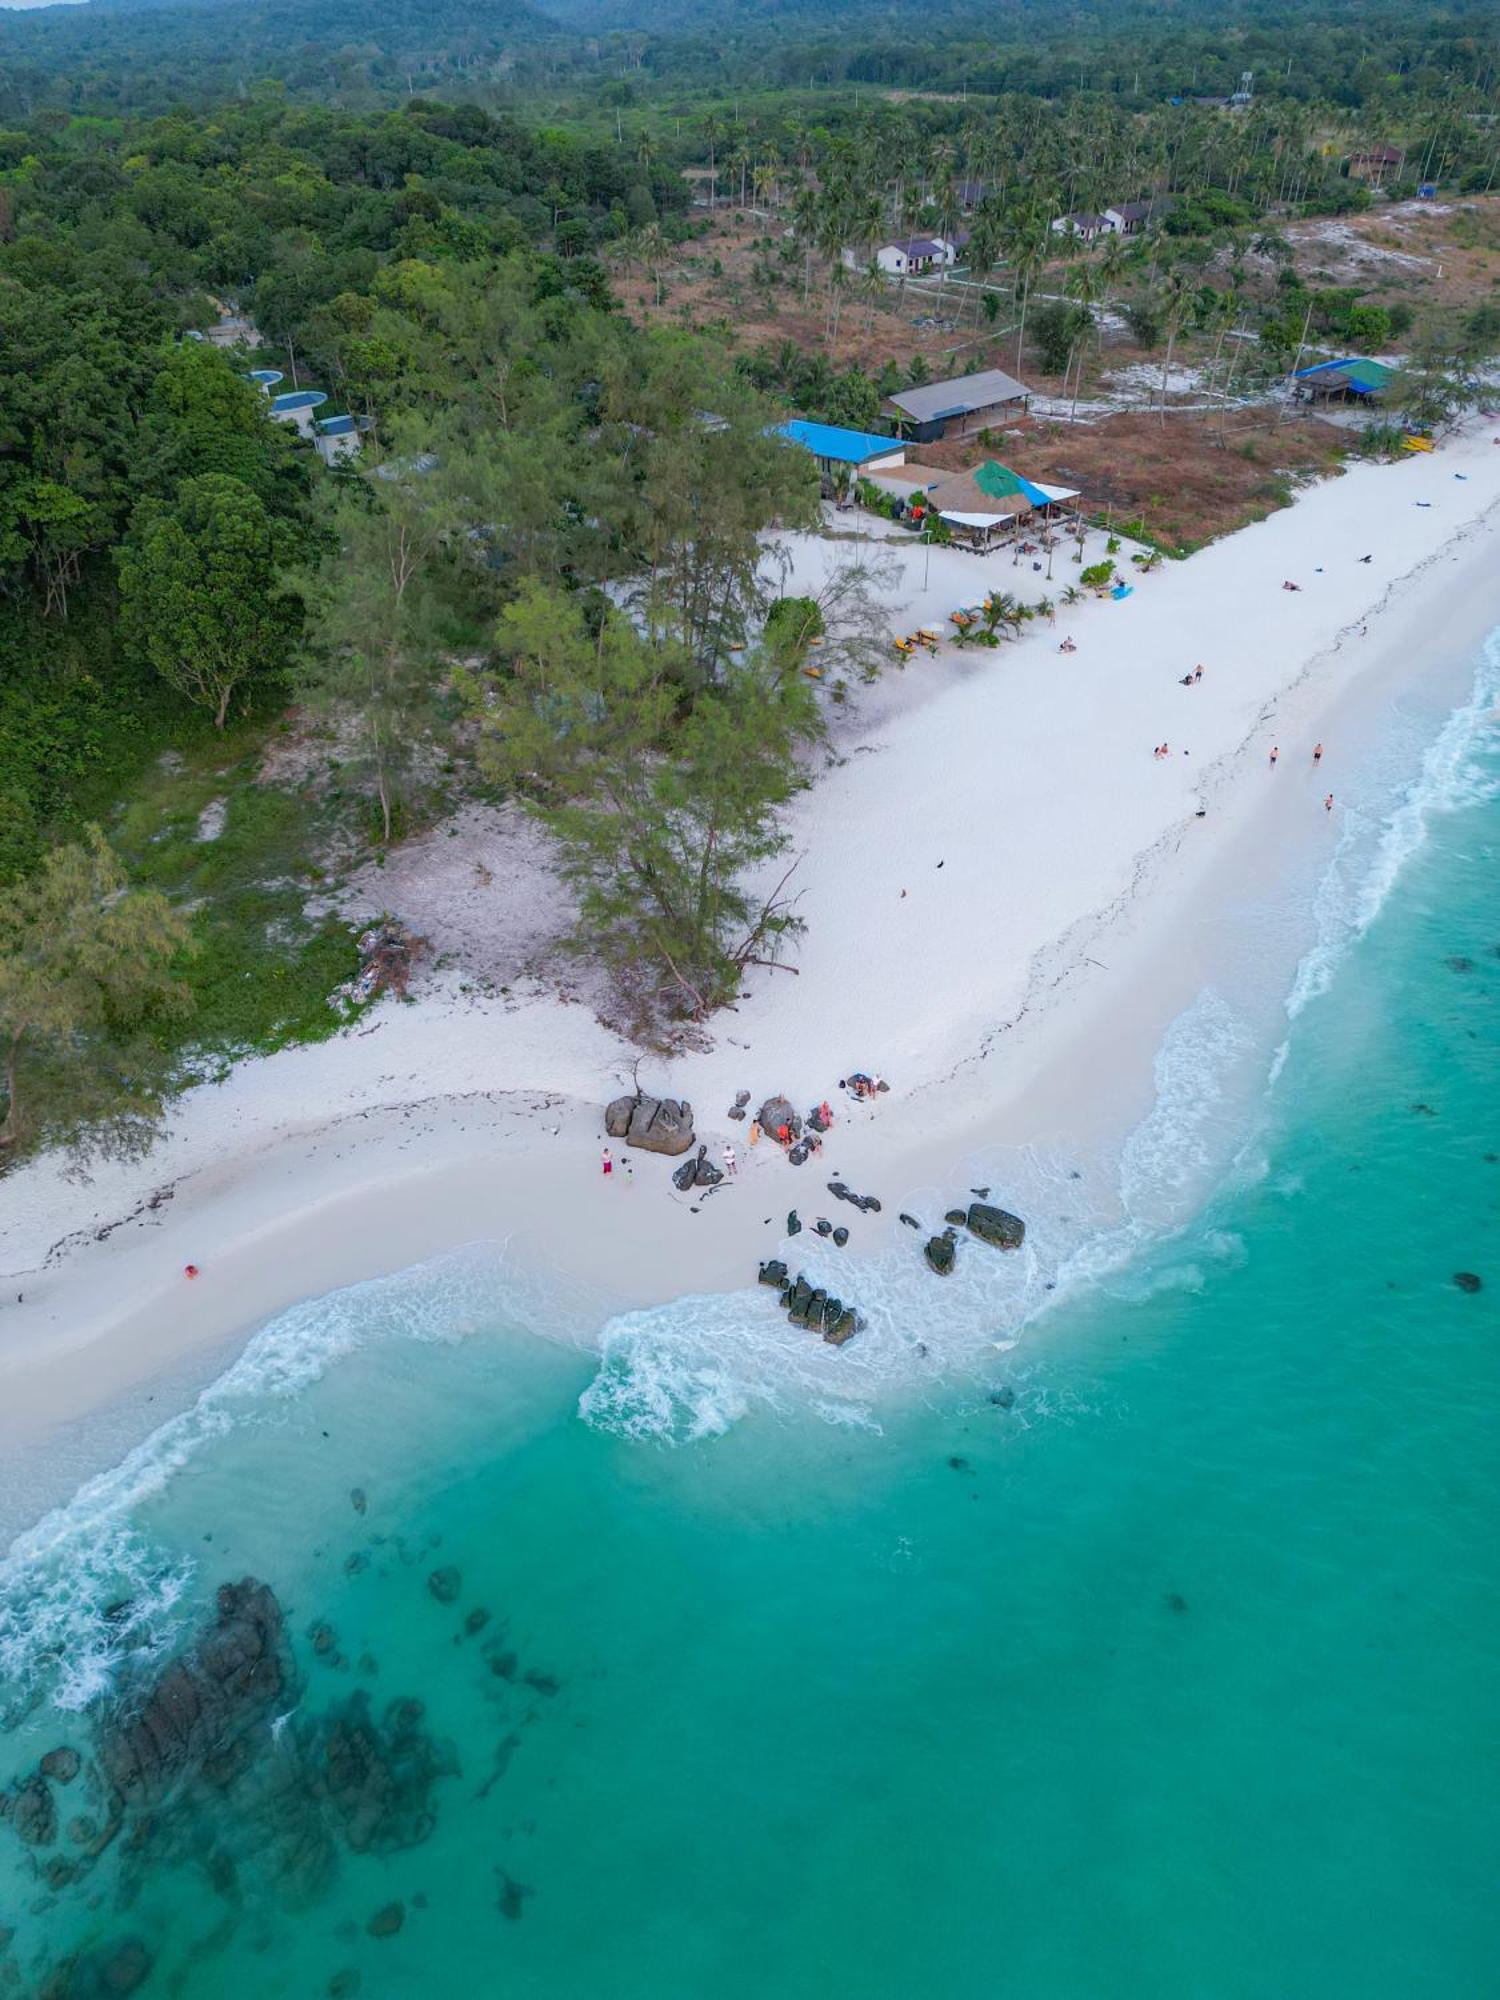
point(86, 1586)
point(1455, 773)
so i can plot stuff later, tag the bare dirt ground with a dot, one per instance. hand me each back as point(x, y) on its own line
point(759, 297)
point(1425, 253)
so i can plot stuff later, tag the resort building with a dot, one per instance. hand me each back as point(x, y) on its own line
point(1376, 166)
point(951, 409)
point(839, 452)
point(298, 407)
point(1352, 378)
point(335, 438)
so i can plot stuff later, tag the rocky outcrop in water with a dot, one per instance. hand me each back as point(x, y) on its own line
point(939, 1252)
point(194, 1717)
point(376, 1778)
point(808, 1305)
point(655, 1124)
point(996, 1226)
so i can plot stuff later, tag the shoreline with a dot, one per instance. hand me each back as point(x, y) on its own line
point(409, 1173)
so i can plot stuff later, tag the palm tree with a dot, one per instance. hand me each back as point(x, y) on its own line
point(654, 253)
point(713, 131)
point(1179, 292)
point(1083, 285)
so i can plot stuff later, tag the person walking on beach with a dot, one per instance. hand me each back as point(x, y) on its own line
point(608, 1162)
point(731, 1165)
point(1317, 753)
point(1328, 803)
point(628, 1171)
point(1197, 673)
point(755, 1131)
point(1275, 753)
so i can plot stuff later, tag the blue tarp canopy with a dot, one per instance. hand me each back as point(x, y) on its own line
point(846, 447)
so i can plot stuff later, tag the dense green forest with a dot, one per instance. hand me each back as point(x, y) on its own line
point(541, 577)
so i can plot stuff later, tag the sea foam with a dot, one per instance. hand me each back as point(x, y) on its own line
point(86, 1587)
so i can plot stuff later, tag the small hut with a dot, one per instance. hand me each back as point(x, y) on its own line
point(983, 505)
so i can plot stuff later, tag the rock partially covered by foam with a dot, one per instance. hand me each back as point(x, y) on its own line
point(194, 1716)
point(996, 1225)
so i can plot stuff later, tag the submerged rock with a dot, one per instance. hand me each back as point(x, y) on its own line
point(199, 1709)
point(995, 1225)
point(345, 1983)
point(61, 1765)
point(31, 1810)
point(445, 1584)
point(386, 1921)
point(357, 1499)
point(1468, 1281)
point(1003, 1399)
point(476, 1621)
point(510, 1898)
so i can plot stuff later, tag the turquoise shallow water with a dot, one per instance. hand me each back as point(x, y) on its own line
point(1169, 1673)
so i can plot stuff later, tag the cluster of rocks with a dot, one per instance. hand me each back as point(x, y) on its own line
point(809, 1305)
point(996, 1226)
point(700, 1172)
point(375, 1777)
point(197, 1714)
point(868, 1204)
point(654, 1124)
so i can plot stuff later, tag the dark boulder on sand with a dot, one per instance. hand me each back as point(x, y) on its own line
point(779, 1111)
point(995, 1225)
point(957, 1215)
point(938, 1250)
point(654, 1124)
point(773, 1272)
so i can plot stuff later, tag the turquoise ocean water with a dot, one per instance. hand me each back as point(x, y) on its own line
point(1144, 1645)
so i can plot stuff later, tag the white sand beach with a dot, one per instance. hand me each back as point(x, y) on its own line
point(1007, 898)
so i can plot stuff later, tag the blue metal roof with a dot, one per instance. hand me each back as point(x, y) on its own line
point(829, 441)
point(1365, 377)
point(336, 426)
point(299, 399)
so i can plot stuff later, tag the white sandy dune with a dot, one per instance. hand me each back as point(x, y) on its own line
point(992, 864)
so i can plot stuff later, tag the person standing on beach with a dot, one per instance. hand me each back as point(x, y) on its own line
point(1275, 753)
point(1317, 753)
point(755, 1131)
point(1328, 803)
point(731, 1165)
point(628, 1171)
point(608, 1162)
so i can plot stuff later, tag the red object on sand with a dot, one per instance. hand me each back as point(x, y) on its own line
point(190, 1270)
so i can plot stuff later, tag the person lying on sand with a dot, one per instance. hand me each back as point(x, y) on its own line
point(1288, 585)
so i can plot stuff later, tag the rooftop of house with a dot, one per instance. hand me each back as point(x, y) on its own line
point(980, 391)
point(831, 441)
point(298, 399)
point(337, 426)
